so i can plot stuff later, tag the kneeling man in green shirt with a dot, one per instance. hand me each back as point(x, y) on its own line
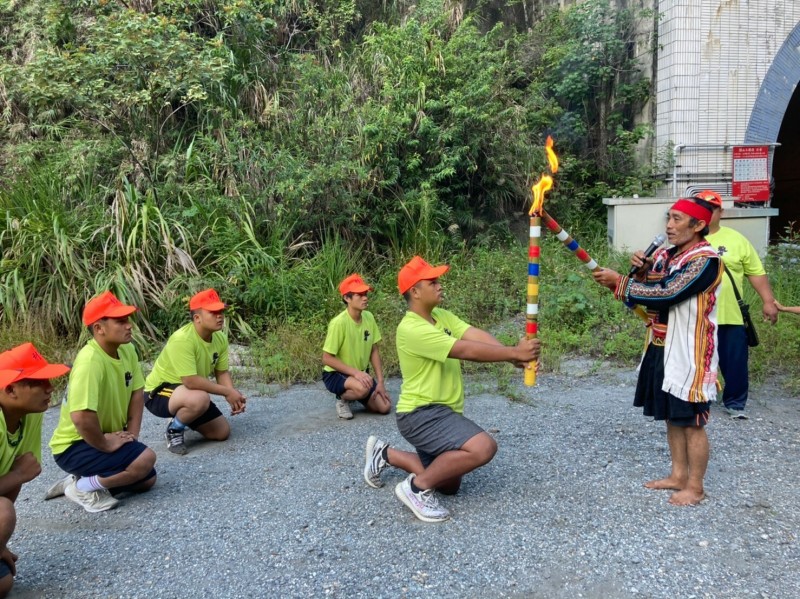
point(179, 387)
point(25, 391)
point(430, 343)
point(96, 440)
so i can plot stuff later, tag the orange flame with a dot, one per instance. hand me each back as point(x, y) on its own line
point(551, 155)
point(539, 188)
point(544, 184)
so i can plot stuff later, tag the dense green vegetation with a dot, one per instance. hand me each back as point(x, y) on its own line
point(270, 147)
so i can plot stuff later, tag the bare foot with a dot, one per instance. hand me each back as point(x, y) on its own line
point(687, 497)
point(665, 483)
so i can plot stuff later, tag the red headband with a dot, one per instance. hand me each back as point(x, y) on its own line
point(692, 209)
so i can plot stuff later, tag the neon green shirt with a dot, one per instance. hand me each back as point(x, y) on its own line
point(187, 354)
point(351, 341)
point(741, 260)
point(429, 376)
point(102, 384)
point(28, 436)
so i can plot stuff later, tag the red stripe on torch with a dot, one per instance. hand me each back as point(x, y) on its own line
point(552, 225)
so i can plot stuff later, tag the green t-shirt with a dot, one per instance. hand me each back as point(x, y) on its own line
point(28, 436)
point(352, 341)
point(741, 260)
point(186, 354)
point(429, 376)
point(102, 384)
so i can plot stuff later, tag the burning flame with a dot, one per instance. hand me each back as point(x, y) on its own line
point(551, 155)
point(544, 184)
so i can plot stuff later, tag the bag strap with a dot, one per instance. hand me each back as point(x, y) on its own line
point(733, 284)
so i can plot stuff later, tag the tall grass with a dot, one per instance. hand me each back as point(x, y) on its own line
point(57, 253)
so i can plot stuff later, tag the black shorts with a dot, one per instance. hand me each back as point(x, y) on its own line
point(659, 404)
point(81, 459)
point(157, 403)
point(435, 429)
point(334, 382)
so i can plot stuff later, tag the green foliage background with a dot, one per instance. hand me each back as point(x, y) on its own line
point(268, 148)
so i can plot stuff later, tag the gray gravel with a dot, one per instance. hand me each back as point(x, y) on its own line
point(281, 509)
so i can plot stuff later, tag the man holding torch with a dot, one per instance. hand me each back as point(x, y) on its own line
point(430, 344)
point(678, 372)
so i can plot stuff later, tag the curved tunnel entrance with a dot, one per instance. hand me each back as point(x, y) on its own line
point(786, 173)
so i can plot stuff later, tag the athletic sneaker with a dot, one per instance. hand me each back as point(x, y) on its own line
point(57, 489)
point(175, 440)
point(91, 501)
point(343, 410)
point(375, 464)
point(424, 504)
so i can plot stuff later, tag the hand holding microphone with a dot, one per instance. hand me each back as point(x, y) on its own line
point(641, 257)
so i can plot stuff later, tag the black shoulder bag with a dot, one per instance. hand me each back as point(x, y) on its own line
point(749, 327)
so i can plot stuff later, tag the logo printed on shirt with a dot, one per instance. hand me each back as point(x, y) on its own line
point(448, 332)
point(128, 379)
point(722, 250)
point(366, 335)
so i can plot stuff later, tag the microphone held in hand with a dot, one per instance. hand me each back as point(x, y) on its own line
point(658, 241)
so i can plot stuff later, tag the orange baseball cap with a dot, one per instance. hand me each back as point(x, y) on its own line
point(25, 362)
point(418, 270)
point(207, 299)
point(712, 197)
point(353, 284)
point(105, 305)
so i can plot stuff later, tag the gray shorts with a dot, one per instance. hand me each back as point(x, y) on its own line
point(434, 429)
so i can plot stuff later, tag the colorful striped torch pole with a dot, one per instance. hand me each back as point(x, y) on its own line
point(532, 308)
point(581, 254)
point(539, 189)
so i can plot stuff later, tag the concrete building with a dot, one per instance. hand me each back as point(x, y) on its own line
point(725, 74)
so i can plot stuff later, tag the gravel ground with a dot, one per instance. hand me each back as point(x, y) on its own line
point(281, 509)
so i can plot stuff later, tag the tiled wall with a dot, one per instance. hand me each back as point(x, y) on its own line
point(713, 58)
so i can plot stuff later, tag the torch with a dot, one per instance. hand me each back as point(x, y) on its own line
point(572, 245)
point(539, 189)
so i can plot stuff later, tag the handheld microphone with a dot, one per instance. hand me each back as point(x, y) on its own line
point(658, 241)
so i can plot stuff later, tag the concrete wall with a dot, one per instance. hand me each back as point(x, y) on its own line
point(714, 57)
point(634, 222)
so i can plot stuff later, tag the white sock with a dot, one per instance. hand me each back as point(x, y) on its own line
point(86, 484)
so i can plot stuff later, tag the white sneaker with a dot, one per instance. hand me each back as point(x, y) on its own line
point(343, 410)
point(57, 489)
point(374, 463)
point(91, 501)
point(424, 504)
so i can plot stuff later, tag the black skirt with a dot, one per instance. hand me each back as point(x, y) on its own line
point(657, 403)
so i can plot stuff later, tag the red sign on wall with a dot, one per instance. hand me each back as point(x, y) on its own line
point(751, 173)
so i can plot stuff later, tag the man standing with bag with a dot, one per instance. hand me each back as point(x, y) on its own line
point(741, 260)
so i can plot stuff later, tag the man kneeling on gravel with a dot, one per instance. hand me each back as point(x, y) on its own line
point(25, 391)
point(96, 439)
point(351, 346)
point(430, 343)
point(179, 387)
